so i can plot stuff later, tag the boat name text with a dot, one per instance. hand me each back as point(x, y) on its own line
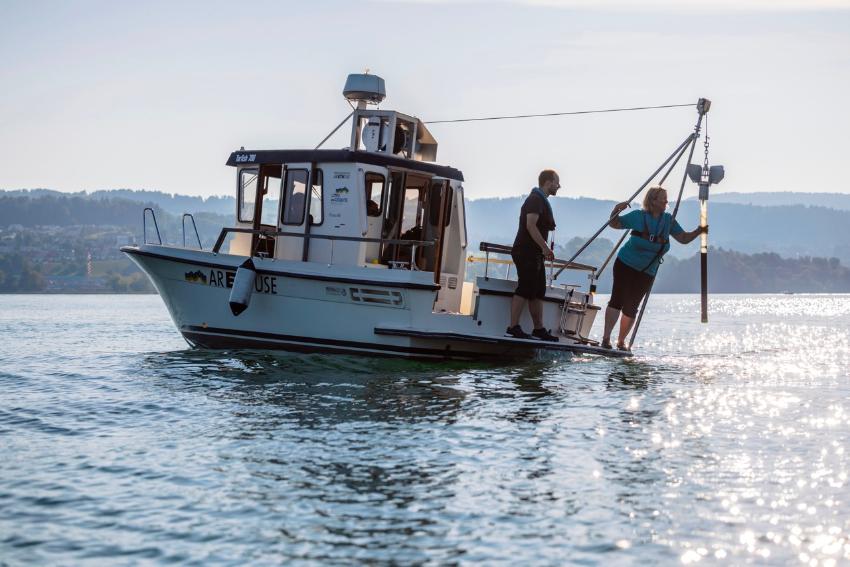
point(224, 278)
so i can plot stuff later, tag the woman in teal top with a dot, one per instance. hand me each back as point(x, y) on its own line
point(639, 258)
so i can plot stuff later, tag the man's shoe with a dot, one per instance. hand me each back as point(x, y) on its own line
point(606, 344)
point(624, 348)
point(544, 335)
point(517, 333)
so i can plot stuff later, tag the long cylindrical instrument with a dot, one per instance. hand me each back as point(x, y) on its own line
point(703, 254)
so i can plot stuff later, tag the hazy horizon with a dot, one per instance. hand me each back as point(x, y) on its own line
point(714, 194)
point(157, 95)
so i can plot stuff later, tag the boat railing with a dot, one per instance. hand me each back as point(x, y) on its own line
point(145, 225)
point(414, 244)
point(491, 248)
point(194, 226)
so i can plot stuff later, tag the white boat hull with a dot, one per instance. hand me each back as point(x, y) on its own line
point(313, 307)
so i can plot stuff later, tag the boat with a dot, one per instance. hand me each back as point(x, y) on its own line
point(361, 250)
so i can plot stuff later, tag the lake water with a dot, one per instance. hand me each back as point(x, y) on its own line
point(719, 443)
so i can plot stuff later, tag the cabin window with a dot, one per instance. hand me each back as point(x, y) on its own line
point(374, 194)
point(316, 206)
point(413, 208)
point(295, 193)
point(391, 209)
point(271, 196)
point(247, 194)
point(435, 203)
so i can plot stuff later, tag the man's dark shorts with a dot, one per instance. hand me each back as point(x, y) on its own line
point(629, 288)
point(531, 274)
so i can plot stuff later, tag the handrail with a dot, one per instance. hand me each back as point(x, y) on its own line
point(183, 222)
point(489, 247)
point(268, 234)
point(145, 225)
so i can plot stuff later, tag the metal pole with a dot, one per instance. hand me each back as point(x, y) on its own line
point(608, 259)
point(694, 138)
point(703, 262)
point(703, 223)
point(552, 263)
point(334, 131)
point(689, 139)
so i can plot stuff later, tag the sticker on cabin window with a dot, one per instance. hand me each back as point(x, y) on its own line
point(340, 195)
point(243, 158)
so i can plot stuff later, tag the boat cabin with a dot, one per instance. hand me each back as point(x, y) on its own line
point(381, 203)
point(354, 250)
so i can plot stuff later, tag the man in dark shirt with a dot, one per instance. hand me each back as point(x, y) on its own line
point(530, 250)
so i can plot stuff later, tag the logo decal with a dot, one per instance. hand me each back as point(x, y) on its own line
point(195, 277)
point(340, 195)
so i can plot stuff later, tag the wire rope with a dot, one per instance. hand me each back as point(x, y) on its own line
point(550, 114)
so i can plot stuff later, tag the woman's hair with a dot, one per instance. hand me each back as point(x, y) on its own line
point(651, 194)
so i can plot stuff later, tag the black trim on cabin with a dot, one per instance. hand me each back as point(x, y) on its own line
point(297, 275)
point(560, 301)
point(214, 337)
point(330, 156)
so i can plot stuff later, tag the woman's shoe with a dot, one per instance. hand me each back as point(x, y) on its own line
point(623, 348)
point(606, 344)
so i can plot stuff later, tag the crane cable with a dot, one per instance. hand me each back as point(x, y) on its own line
point(550, 114)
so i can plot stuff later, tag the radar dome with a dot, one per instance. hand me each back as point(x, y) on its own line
point(364, 87)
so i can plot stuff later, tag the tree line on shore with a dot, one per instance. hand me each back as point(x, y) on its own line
point(729, 272)
point(25, 268)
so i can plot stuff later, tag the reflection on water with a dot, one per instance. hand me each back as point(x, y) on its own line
point(719, 443)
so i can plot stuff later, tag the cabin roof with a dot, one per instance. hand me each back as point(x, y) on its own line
point(257, 157)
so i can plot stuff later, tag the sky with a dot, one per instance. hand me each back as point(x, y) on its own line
point(155, 95)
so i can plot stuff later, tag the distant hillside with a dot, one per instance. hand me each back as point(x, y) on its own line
point(61, 210)
point(224, 205)
point(728, 271)
point(56, 242)
point(787, 230)
point(840, 201)
point(51, 208)
point(733, 272)
point(174, 204)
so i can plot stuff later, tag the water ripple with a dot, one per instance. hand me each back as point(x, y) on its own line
point(723, 443)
